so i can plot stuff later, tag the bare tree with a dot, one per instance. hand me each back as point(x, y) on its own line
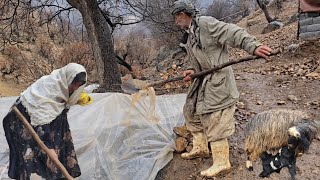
point(100, 18)
point(100, 37)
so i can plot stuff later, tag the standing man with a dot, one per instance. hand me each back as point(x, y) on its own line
point(210, 103)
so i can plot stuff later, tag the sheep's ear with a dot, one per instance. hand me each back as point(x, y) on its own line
point(293, 131)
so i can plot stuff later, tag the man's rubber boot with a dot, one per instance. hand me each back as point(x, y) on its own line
point(220, 155)
point(200, 147)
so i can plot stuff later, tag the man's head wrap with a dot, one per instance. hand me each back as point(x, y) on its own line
point(184, 6)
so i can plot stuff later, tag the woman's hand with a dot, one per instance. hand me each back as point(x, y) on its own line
point(186, 75)
point(50, 164)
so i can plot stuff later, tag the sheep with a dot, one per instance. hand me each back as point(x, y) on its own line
point(268, 132)
point(300, 138)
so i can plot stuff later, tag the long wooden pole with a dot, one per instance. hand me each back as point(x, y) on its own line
point(202, 73)
point(41, 144)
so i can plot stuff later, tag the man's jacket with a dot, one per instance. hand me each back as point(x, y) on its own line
point(207, 47)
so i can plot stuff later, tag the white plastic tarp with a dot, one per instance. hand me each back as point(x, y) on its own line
point(115, 140)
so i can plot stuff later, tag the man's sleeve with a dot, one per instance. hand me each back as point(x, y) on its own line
point(188, 64)
point(231, 34)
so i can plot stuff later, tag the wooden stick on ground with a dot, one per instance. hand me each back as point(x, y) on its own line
point(41, 144)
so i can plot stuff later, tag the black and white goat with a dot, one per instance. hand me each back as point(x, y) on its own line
point(300, 138)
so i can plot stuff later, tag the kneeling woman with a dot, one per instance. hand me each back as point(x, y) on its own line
point(45, 105)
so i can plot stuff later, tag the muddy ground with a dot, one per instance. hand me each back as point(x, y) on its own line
point(262, 87)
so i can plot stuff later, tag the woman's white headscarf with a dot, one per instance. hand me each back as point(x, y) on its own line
point(49, 96)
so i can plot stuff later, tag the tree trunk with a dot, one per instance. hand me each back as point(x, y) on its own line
point(103, 48)
point(263, 6)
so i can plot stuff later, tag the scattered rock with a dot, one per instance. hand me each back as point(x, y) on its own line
point(307, 104)
point(252, 22)
point(240, 105)
point(182, 131)
point(293, 48)
point(291, 69)
point(181, 144)
point(314, 75)
point(279, 80)
point(159, 67)
point(315, 171)
point(259, 102)
point(241, 151)
point(293, 98)
point(274, 25)
point(300, 72)
point(189, 148)
point(281, 102)
point(315, 103)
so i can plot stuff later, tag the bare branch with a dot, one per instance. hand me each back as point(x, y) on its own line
point(57, 13)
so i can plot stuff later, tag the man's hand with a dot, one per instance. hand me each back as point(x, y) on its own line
point(50, 164)
point(186, 75)
point(263, 51)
